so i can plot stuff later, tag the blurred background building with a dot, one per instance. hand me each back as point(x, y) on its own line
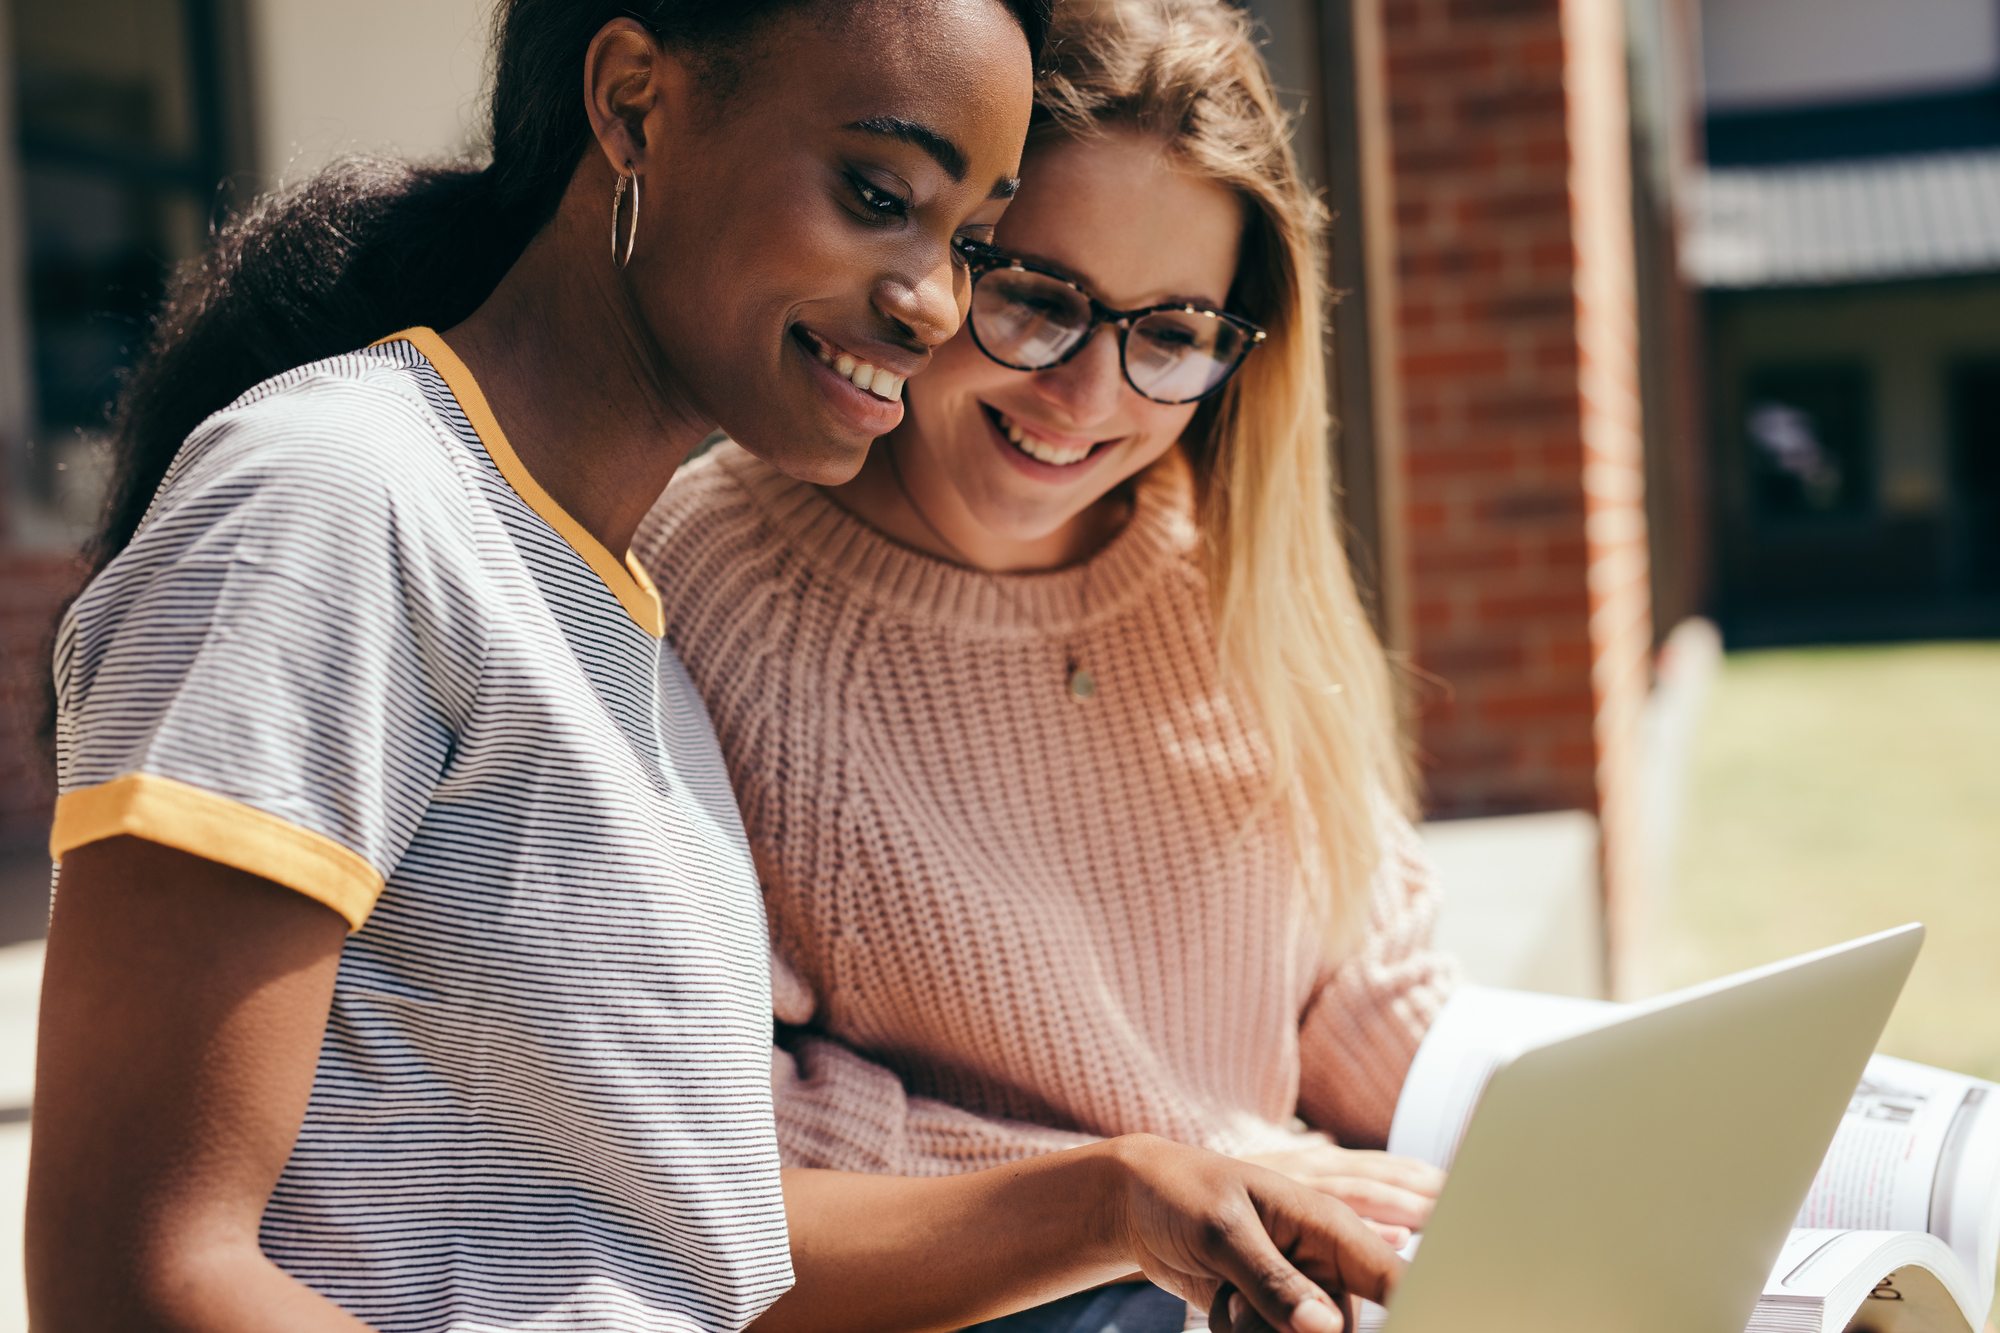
point(1514, 361)
point(127, 127)
point(1848, 238)
point(1651, 310)
point(1655, 314)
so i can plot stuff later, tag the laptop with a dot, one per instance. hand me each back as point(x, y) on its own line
point(1641, 1176)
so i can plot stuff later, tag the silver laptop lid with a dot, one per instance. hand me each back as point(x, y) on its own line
point(1641, 1176)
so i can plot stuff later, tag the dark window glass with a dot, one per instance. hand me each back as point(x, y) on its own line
point(120, 119)
point(1808, 440)
point(1975, 430)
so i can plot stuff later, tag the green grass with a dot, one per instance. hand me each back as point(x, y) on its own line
point(1835, 791)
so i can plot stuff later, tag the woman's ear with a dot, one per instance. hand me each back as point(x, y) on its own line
point(633, 89)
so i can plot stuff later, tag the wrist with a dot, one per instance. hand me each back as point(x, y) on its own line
point(1114, 1168)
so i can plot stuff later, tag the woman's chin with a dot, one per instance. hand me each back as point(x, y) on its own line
point(1028, 531)
point(814, 460)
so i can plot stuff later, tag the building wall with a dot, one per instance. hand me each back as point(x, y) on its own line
point(363, 76)
point(1913, 547)
point(324, 79)
point(1760, 53)
point(1618, 573)
point(1906, 334)
point(32, 583)
point(16, 404)
point(1522, 483)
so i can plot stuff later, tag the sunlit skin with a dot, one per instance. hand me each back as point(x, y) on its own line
point(707, 327)
point(184, 1002)
point(1121, 217)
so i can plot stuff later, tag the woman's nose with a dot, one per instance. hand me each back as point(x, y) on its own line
point(1088, 385)
point(926, 309)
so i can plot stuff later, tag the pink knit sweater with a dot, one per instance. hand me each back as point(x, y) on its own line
point(1006, 920)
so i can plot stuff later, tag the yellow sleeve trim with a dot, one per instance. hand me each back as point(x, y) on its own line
point(216, 828)
point(634, 591)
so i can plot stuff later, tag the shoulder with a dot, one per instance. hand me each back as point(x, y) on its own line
point(351, 439)
point(363, 416)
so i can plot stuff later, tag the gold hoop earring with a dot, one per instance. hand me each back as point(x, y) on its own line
point(617, 206)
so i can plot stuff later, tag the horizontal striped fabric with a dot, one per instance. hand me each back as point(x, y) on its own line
point(353, 650)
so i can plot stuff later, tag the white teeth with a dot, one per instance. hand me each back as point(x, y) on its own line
point(882, 383)
point(1042, 450)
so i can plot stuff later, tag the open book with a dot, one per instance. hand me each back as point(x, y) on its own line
point(1900, 1232)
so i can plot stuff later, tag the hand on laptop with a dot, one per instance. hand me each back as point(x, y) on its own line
point(1394, 1193)
point(1207, 1229)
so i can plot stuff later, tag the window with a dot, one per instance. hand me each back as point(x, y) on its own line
point(122, 133)
point(1975, 429)
point(1808, 440)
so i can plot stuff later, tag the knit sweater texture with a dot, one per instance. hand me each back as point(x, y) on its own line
point(1006, 920)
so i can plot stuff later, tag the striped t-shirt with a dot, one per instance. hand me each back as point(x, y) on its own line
point(355, 649)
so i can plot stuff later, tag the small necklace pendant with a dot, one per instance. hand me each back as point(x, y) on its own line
point(1082, 685)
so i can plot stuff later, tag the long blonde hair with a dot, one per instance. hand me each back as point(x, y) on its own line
point(1292, 635)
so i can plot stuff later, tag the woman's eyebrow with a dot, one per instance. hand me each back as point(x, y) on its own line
point(947, 154)
point(1065, 271)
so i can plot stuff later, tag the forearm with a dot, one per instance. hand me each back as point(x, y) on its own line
point(838, 1109)
point(222, 1288)
point(1370, 1012)
point(885, 1253)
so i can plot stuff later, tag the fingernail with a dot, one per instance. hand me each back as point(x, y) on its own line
point(1314, 1316)
point(1236, 1308)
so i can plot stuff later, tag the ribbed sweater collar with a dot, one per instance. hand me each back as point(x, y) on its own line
point(883, 572)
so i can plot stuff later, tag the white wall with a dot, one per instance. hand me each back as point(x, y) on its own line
point(1778, 52)
point(399, 76)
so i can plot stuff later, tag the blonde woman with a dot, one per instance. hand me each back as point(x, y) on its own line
point(1067, 755)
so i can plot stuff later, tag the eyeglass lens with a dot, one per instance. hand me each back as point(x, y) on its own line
point(1030, 321)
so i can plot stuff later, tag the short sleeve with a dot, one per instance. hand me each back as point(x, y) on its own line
point(272, 675)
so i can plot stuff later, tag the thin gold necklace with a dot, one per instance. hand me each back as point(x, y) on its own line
point(1077, 677)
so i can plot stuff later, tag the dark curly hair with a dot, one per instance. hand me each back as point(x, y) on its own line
point(373, 245)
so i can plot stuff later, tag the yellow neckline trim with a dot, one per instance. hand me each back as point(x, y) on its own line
point(625, 578)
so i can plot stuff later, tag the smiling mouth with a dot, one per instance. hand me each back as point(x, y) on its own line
point(1042, 451)
point(884, 384)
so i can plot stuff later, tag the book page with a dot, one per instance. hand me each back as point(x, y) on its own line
point(1965, 1206)
point(1814, 1263)
point(1918, 1150)
point(1873, 1282)
point(1882, 1168)
point(1480, 1029)
point(1913, 1299)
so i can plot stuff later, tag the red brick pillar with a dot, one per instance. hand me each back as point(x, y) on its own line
point(32, 586)
point(1521, 495)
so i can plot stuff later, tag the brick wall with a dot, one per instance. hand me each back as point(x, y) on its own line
point(1614, 463)
point(32, 586)
point(1521, 492)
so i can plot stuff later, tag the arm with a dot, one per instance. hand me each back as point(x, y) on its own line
point(183, 1005)
point(880, 1253)
point(1369, 1012)
point(838, 1109)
